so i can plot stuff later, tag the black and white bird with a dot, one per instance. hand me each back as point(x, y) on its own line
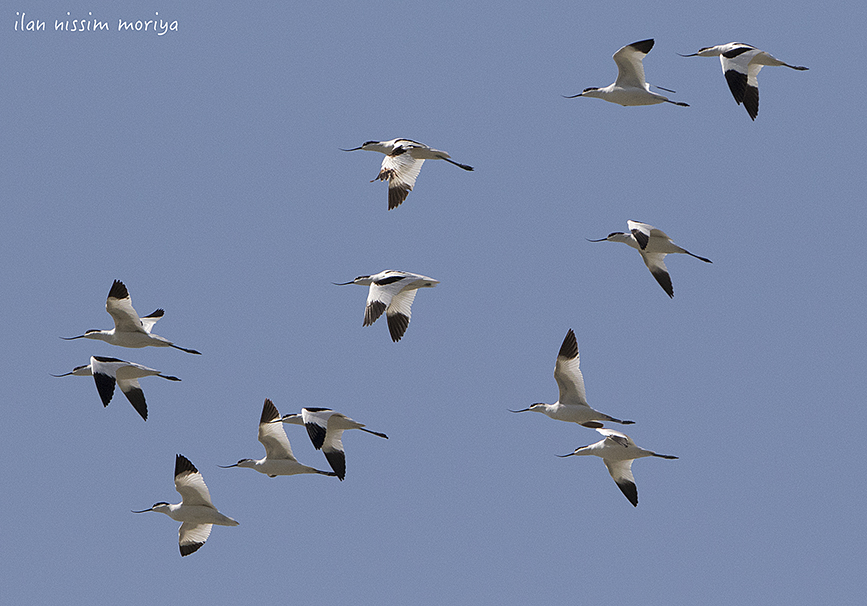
point(741, 64)
point(618, 451)
point(572, 405)
point(196, 512)
point(129, 330)
point(325, 428)
point(279, 460)
point(653, 244)
point(391, 292)
point(108, 371)
point(402, 163)
point(630, 88)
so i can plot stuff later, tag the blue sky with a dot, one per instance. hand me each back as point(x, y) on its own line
point(202, 168)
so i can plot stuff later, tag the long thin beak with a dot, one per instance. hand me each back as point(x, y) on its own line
point(227, 466)
point(599, 240)
point(574, 452)
point(343, 283)
point(353, 149)
point(572, 96)
point(66, 374)
point(692, 55)
point(522, 410)
point(71, 338)
point(143, 511)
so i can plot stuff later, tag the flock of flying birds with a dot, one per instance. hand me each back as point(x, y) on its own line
point(196, 512)
point(393, 292)
point(741, 64)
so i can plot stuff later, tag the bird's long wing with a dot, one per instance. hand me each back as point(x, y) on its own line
point(103, 370)
point(333, 451)
point(380, 295)
point(149, 321)
point(630, 66)
point(133, 392)
point(615, 436)
point(190, 484)
point(568, 374)
point(399, 313)
point(326, 428)
point(656, 264)
point(332, 448)
point(740, 59)
point(640, 231)
point(119, 305)
point(192, 536)
point(401, 172)
point(272, 435)
point(621, 471)
point(316, 423)
point(742, 76)
point(643, 233)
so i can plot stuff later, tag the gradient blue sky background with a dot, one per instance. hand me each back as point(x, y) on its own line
point(203, 169)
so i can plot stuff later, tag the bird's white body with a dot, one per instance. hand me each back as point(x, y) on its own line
point(572, 406)
point(196, 511)
point(194, 514)
point(402, 164)
point(392, 292)
point(108, 371)
point(741, 64)
point(653, 244)
point(618, 451)
point(325, 428)
point(129, 330)
point(278, 460)
point(630, 88)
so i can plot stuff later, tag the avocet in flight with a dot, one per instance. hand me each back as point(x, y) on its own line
point(618, 451)
point(572, 405)
point(196, 512)
point(279, 460)
point(325, 428)
point(653, 244)
point(391, 292)
point(630, 88)
point(129, 330)
point(108, 371)
point(741, 64)
point(402, 163)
